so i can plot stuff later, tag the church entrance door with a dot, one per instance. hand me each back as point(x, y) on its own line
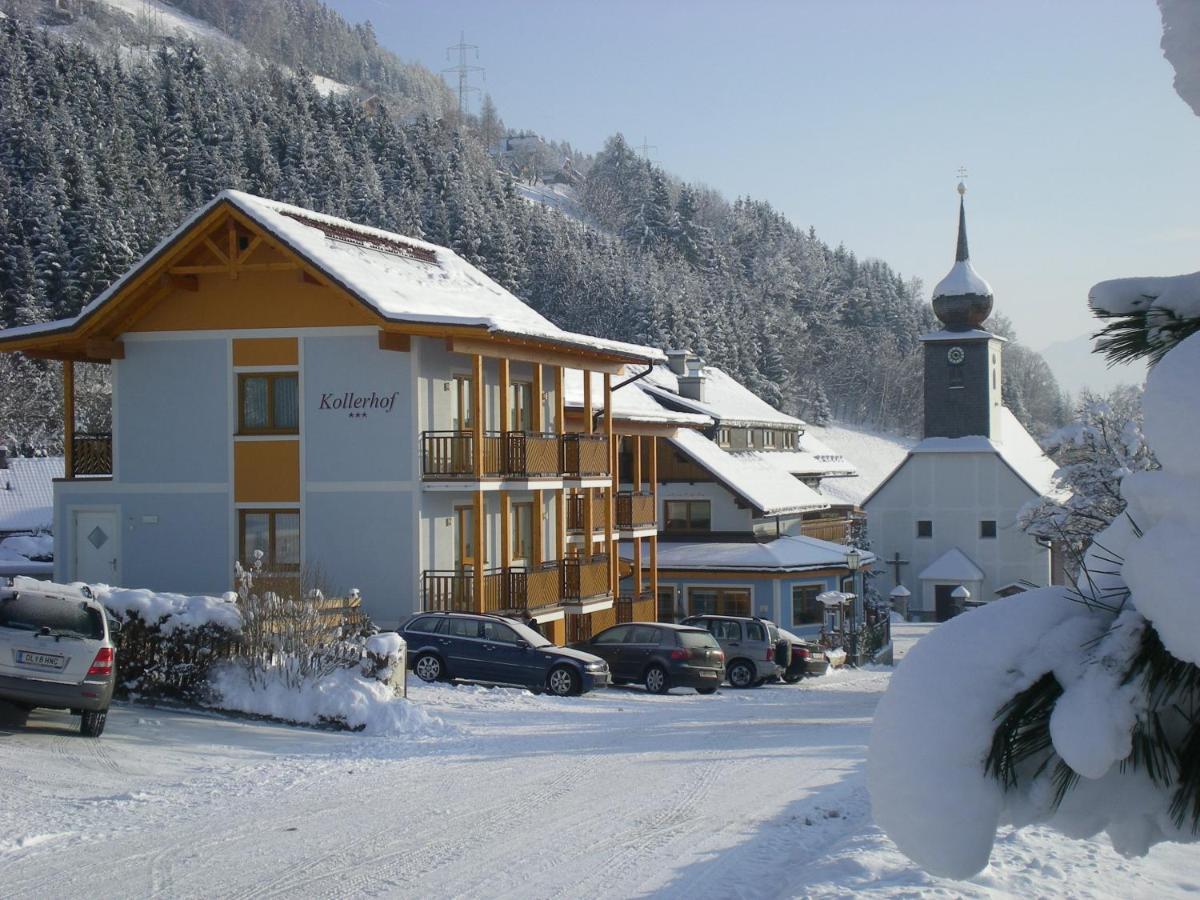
point(945, 603)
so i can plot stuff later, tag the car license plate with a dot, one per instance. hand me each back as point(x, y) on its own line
point(40, 660)
point(708, 673)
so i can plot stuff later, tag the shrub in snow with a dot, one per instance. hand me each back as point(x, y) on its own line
point(1077, 707)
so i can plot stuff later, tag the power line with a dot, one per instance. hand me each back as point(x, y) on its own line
point(463, 71)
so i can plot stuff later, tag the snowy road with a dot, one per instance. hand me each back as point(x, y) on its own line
point(751, 794)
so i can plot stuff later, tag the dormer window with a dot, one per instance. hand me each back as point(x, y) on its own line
point(769, 439)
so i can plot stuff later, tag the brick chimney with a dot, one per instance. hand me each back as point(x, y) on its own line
point(691, 382)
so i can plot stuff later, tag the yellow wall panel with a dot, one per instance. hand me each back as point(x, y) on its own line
point(266, 352)
point(266, 471)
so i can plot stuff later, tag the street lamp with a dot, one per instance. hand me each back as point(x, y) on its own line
point(853, 558)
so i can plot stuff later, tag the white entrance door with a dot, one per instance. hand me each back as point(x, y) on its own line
point(95, 543)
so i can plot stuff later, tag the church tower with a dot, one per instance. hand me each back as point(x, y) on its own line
point(962, 362)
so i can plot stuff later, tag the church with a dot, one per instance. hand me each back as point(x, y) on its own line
point(944, 522)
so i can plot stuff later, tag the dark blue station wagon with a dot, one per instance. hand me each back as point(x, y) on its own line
point(495, 650)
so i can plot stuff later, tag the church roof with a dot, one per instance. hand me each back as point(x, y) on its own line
point(1018, 450)
point(953, 565)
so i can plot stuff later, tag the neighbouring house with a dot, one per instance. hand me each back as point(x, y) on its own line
point(944, 523)
point(27, 493)
point(348, 402)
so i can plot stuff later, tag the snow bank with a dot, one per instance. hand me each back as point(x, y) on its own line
point(170, 611)
point(30, 546)
point(344, 698)
point(934, 726)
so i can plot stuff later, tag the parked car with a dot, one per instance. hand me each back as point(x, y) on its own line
point(494, 650)
point(754, 651)
point(56, 652)
point(808, 658)
point(660, 656)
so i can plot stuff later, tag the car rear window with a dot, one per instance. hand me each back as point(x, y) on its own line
point(755, 632)
point(70, 618)
point(698, 639)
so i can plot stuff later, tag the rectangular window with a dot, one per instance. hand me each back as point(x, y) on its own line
point(789, 440)
point(276, 533)
point(522, 533)
point(924, 528)
point(769, 439)
point(719, 601)
point(723, 437)
point(805, 608)
point(666, 605)
point(464, 406)
point(464, 521)
point(987, 528)
point(269, 403)
point(521, 415)
point(956, 376)
point(688, 515)
point(750, 438)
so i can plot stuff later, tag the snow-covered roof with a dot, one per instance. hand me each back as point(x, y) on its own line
point(401, 278)
point(788, 553)
point(962, 279)
point(810, 458)
point(953, 565)
point(875, 455)
point(630, 402)
point(27, 493)
point(833, 598)
point(1015, 447)
point(725, 399)
point(762, 484)
point(968, 334)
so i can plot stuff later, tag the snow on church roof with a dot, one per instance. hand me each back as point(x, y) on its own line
point(1016, 447)
point(725, 399)
point(401, 278)
point(953, 565)
point(962, 279)
point(761, 483)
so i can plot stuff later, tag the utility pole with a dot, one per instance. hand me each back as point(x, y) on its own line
point(645, 149)
point(463, 71)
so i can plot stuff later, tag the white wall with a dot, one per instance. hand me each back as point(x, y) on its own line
point(955, 491)
point(725, 514)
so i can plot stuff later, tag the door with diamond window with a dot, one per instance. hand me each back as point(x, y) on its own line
point(95, 542)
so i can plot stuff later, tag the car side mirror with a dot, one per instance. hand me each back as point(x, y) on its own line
point(522, 644)
point(114, 626)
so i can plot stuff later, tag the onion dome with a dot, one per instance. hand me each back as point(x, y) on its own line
point(962, 300)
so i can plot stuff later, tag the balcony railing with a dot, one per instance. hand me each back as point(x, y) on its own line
point(836, 531)
point(581, 627)
point(584, 455)
point(93, 455)
point(451, 455)
point(637, 608)
point(635, 511)
point(577, 512)
point(504, 589)
point(585, 579)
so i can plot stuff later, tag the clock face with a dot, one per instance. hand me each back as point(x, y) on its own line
point(956, 355)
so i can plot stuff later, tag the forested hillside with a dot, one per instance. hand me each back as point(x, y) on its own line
point(103, 153)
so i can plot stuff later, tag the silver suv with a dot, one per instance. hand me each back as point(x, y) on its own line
point(752, 648)
point(56, 652)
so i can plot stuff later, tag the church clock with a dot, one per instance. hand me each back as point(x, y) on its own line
point(956, 355)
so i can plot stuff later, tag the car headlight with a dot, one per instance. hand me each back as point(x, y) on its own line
point(597, 666)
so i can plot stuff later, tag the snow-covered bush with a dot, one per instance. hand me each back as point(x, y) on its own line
point(1077, 707)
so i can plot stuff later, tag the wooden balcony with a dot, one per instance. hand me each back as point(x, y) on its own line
point(637, 608)
point(835, 530)
point(93, 455)
point(582, 626)
point(585, 579)
point(577, 512)
point(450, 455)
point(504, 589)
point(635, 511)
point(531, 455)
point(584, 455)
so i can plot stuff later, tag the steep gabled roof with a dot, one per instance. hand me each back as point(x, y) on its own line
point(630, 403)
point(766, 487)
point(953, 565)
point(725, 399)
point(400, 279)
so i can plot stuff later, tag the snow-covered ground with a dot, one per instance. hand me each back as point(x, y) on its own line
point(617, 794)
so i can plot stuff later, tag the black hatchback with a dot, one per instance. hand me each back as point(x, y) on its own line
point(660, 656)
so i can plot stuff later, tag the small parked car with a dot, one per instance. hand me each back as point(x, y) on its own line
point(808, 658)
point(660, 656)
point(754, 650)
point(56, 652)
point(444, 646)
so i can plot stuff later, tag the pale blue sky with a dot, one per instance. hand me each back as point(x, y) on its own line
point(854, 115)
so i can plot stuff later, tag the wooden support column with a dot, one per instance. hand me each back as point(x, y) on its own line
point(587, 402)
point(560, 526)
point(589, 503)
point(68, 377)
point(637, 463)
point(637, 566)
point(479, 412)
point(560, 402)
point(480, 550)
point(614, 562)
point(505, 416)
point(535, 414)
point(505, 528)
point(654, 537)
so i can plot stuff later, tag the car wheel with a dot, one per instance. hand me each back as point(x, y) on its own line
point(563, 682)
point(656, 680)
point(740, 674)
point(13, 714)
point(91, 723)
point(706, 691)
point(429, 668)
point(792, 677)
